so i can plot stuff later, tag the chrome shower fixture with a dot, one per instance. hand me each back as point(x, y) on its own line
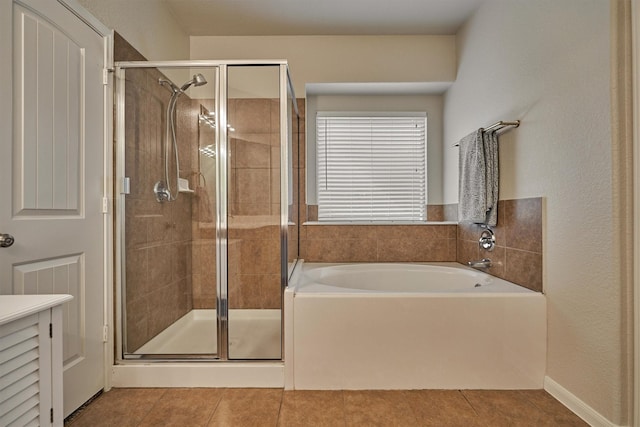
point(487, 240)
point(161, 192)
point(197, 80)
point(162, 189)
point(172, 87)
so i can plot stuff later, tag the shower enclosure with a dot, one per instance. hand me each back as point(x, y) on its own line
point(206, 222)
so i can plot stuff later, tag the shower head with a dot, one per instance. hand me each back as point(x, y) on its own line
point(197, 80)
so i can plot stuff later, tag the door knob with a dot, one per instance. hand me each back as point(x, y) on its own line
point(6, 240)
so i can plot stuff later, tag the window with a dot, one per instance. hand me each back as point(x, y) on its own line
point(371, 167)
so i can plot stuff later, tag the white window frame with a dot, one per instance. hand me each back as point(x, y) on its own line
point(335, 207)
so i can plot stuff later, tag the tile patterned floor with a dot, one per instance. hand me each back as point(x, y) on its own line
point(275, 407)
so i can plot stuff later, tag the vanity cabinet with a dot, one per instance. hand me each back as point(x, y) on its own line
point(31, 360)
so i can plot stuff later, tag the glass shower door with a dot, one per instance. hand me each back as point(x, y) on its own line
point(166, 134)
point(255, 247)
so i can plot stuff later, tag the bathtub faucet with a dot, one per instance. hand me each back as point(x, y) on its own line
point(484, 263)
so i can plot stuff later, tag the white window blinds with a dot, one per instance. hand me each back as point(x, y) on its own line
point(371, 168)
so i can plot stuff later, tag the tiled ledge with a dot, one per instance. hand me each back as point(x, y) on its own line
point(380, 223)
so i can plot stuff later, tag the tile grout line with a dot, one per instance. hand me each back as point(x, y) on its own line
point(224, 391)
point(526, 398)
point(280, 408)
point(164, 391)
point(469, 402)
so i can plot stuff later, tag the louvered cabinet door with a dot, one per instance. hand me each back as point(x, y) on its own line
point(31, 371)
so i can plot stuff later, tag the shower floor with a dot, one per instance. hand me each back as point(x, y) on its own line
point(253, 334)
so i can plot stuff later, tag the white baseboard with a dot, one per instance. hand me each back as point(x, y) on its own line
point(577, 406)
point(258, 375)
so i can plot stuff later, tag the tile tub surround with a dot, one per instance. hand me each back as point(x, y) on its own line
point(517, 256)
point(378, 243)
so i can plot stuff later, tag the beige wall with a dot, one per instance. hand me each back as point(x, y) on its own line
point(547, 63)
point(337, 59)
point(147, 24)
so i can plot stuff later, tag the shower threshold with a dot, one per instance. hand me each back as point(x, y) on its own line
point(253, 334)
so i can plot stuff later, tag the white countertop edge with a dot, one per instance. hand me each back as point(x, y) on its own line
point(14, 307)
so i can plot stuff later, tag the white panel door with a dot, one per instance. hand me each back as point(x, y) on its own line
point(51, 176)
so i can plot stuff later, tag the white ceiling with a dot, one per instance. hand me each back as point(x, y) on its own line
point(321, 17)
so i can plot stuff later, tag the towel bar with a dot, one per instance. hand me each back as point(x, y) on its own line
point(497, 126)
point(501, 125)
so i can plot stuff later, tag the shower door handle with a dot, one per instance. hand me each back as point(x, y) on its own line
point(6, 240)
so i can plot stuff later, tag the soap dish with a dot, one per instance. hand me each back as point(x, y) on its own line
point(183, 186)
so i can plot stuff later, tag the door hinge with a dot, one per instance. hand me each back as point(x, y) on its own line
point(105, 333)
point(105, 75)
point(126, 185)
point(105, 205)
point(51, 415)
point(50, 330)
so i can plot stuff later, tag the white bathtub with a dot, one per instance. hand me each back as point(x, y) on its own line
point(401, 278)
point(411, 326)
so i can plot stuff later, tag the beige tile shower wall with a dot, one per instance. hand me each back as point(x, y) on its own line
point(254, 263)
point(254, 204)
point(203, 180)
point(158, 235)
point(517, 256)
point(203, 263)
point(254, 165)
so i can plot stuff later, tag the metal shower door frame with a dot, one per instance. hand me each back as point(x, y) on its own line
point(222, 149)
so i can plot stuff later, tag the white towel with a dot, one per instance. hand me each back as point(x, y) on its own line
point(472, 180)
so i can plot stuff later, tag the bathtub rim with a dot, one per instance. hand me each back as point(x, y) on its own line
point(300, 288)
